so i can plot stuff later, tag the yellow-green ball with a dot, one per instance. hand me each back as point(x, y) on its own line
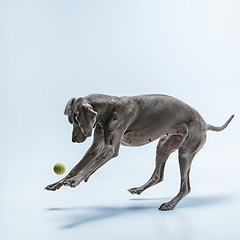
point(59, 168)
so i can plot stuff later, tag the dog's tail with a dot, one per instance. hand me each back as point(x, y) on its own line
point(217, 129)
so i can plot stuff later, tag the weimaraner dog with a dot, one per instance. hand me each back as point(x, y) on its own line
point(136, 121)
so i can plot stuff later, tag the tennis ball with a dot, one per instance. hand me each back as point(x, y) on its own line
point(59, 168)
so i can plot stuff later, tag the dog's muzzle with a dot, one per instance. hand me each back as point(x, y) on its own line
point(78, 139)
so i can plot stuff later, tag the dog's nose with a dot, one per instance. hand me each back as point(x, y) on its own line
point(73, 140)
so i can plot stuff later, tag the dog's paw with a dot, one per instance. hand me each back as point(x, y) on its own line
point(166, 206)
point(54, 186)
point(135, 191)
point(72, 182)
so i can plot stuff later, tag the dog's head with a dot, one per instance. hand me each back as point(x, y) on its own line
point(83, 118)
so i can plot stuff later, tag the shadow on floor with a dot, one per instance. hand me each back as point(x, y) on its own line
point(195, 202)
point(191, 201)
point(83, 215)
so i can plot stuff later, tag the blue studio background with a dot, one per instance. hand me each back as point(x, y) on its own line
point(52, 50)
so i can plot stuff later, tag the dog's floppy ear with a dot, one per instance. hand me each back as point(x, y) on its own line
point(90, 110)
point(68, 108)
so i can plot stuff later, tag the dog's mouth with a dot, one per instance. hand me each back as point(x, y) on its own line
point(79, 139)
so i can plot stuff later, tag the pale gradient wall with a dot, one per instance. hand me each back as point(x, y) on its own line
point(52, 50)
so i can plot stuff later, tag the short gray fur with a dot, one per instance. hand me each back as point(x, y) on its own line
point(136, 121)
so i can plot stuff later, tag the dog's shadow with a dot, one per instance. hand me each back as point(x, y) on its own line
point(202, 201)
point(83, 215)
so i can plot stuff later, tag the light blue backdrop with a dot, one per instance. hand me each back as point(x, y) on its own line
point(53, 50)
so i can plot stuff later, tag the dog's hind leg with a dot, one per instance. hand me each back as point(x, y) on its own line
point(191, 144)
point(166, 145)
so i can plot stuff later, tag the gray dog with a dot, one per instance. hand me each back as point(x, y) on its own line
point(136, 121)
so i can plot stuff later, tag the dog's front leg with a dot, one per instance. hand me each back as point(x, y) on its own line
point(108, 154)
point(103, 157)
point(92, 152)
point(112, 135)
